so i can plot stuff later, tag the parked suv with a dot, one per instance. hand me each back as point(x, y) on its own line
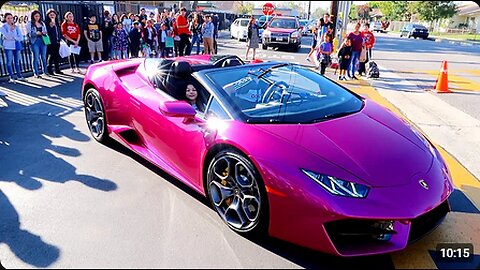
point(414, 30)
point(283, 31)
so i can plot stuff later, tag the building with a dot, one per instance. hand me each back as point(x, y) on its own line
point(150, 6)
point(467, 17)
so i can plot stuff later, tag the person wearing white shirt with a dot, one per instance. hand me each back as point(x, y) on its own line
point(11, 39)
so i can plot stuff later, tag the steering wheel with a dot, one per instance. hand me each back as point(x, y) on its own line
point(274, 92)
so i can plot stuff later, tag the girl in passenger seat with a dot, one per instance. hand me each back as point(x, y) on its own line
point(192, 98)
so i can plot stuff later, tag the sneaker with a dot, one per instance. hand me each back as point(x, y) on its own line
point(77, 70)
point(91, 62)
point(11, 80)
point(59, 73)
point(355, 78)
point(339, 77)
point(73, 70)
point(38, 76)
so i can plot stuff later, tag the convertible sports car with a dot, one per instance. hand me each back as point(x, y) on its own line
point(277, 148)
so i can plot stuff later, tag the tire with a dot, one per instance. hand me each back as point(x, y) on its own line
point(253, 192)
point(296, 49)
point(95, 115)
point(409, 36)
point(264, 46)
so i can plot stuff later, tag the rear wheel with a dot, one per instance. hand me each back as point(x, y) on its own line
point(237, 193)
point(95, 115)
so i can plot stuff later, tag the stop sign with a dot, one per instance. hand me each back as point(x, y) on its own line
point(268, 9)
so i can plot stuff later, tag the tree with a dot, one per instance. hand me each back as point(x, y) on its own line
point(353, 15)
point(434, 10)
point(392, 10)
point(245, 8)
point(318, 13)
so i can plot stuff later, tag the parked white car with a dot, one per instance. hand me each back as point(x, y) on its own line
point(239, 29)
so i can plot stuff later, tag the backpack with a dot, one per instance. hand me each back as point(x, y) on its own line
point(373, 71)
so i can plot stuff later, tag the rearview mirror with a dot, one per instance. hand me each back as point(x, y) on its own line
point(177, 109)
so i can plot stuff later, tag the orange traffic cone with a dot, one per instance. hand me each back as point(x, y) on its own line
point(441, 86)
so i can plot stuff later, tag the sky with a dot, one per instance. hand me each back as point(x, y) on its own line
point(322, 4)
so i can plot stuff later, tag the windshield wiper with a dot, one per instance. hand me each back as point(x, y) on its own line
point(262, 121)
point(272, 68)
point(336, 115)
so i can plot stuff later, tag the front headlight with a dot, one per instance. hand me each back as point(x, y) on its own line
point(338, 186)
point(266, 33)
point(294, 34)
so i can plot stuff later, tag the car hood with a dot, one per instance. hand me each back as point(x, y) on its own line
point(373, 144)
point(281, 30)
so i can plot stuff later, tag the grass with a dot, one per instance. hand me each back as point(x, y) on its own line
point(473, 37)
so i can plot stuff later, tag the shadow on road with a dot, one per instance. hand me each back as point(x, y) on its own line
point(27, 155)
point(29, 247)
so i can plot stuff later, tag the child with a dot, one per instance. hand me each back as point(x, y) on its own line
point(163, 35)
point(324, 53)
point(344, 55)
point(120, 42)
point(314, 43)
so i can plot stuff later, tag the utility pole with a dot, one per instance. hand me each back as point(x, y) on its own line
point(309, 9)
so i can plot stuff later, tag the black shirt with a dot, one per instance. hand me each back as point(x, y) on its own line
point(93, 31)
point(135, 35)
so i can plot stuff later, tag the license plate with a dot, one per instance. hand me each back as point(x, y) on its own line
point(279, 39)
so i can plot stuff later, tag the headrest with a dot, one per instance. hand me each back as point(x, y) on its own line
point(231, 62)
point(181, 69)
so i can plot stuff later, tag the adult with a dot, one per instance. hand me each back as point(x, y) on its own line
point(356, 38)
point(107, 34)
point(216, 23)
point(207, 33)
point(196, 29)
point(71, 33)
point(134, 37)
point(149, 35)
point(12, 37)
point(252, 37)
point(126, 22)
point(143, 17)
point(182, 29)
point(93, 34)
point(55, 34)
point(36, 31)
point(325, 24)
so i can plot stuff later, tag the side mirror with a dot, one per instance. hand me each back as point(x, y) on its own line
point(177, 109)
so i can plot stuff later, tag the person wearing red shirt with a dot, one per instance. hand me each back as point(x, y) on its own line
point(182, 29)
point(71, 32)
point(369, 40)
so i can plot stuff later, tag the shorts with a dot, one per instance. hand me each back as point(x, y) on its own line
point(314, 44)
point(95, 46)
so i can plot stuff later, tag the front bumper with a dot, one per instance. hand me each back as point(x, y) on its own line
point(309, 216)
point(283, 41)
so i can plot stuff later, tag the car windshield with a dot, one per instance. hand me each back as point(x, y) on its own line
point(283, 93)
point(417, 26)
point(243, 22)
point(283, 23)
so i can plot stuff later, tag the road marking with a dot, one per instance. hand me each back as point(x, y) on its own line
point(457, 227)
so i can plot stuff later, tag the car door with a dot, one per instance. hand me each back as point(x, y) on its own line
point(178, 142)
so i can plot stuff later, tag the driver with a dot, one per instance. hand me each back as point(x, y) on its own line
point(192, 98)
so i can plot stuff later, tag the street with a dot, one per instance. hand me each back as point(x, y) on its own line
point(67, 201)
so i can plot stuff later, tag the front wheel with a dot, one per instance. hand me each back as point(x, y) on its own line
point(264, 46)
point(237, 193)
point(95, 115)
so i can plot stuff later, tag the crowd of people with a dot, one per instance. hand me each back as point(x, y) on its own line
point(354, 52)
point(165, 34)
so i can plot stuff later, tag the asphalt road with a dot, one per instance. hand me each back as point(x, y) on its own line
point(67, 201)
